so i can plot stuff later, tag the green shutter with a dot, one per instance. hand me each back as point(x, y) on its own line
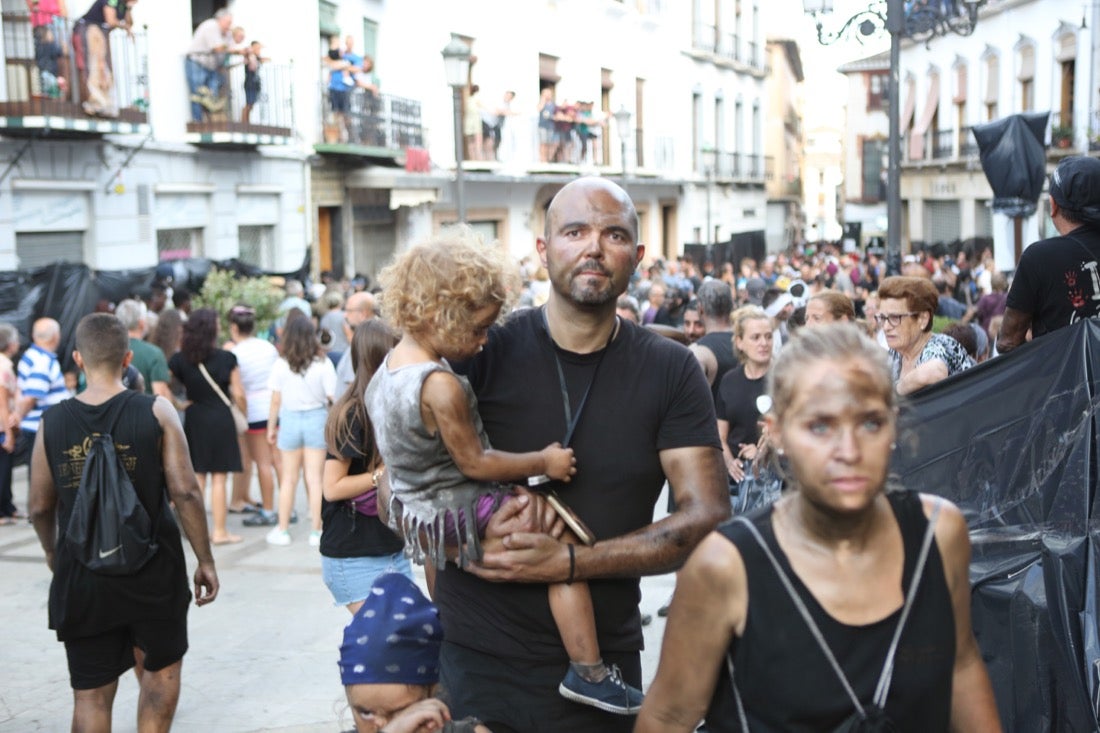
point(326, 11)
point(370, 39)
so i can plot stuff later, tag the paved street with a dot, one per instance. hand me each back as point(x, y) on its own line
point(262, 658)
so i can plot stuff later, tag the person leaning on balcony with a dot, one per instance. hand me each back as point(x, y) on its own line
point(205, 58)
point(93, 53)
point(1057, 282)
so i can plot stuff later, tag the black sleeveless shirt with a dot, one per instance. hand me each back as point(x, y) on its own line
point(83, 603)
point(785, 681)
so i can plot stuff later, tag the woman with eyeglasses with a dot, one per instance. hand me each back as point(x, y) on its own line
point(918, 356)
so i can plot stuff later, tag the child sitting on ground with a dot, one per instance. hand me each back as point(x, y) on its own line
point(444, 295)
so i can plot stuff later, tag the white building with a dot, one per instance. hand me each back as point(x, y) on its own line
point(1025, 56)
point(865, 148)
point(823, 179)
point(298, 180)
point(123, 191)
point(784, 145)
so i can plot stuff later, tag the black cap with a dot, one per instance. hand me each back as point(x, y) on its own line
point(1075, 186)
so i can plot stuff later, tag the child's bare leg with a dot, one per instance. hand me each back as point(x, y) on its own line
point(571, 606)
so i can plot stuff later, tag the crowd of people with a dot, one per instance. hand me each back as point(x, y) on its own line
point(511, 428)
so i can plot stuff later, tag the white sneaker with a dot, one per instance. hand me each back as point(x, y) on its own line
point(278, 536)
point(315, 538)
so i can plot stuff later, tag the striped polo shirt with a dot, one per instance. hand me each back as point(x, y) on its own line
point(40, 377)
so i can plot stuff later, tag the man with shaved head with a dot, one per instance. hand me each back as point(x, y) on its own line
point(358, 309)
point(41, 385)
point(637, 410)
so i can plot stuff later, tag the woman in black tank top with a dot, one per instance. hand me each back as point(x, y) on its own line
point(840, 602)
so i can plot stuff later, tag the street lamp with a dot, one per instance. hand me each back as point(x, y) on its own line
point(921, 22)
point(456, 67)
point(622, 123)
point(710, 159)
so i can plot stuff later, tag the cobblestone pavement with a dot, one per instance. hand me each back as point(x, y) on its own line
point(262, 657)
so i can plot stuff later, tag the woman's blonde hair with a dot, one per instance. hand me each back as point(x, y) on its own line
point(828, 342)
point(739, 318)
point(437, 285)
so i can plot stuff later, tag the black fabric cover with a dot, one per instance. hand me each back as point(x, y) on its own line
point(1014, 160)
point(1013, 442)
point(67, 292)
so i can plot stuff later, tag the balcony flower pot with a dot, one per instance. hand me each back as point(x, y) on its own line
point(1061, 136)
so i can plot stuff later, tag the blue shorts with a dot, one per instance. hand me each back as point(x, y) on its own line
point(349, 578)
point(302, 429)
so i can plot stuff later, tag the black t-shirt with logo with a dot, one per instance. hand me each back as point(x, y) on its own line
point(1058, 281)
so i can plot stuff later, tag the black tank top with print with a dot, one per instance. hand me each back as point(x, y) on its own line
point(83, 603)
point(786, 684)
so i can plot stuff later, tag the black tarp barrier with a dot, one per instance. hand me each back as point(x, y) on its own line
point(1013, 442)
point(736, 248)
point(67, 292)
point(1014, 161)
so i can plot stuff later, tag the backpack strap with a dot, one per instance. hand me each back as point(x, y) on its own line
point(80, 422)
point(886, 676)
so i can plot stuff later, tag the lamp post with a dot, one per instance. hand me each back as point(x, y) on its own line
point(921, 23)
point(622, 124)
point(710, 159)
point(456, 67)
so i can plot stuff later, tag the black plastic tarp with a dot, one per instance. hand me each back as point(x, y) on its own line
point(1014, 443)
point(67, 292)
point(1014, 160)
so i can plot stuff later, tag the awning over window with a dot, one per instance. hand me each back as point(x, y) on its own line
point(411, 197)
point(960, 84)
point(1027, 64)
point(931, 103)
point(992, 79)
point(910, 104)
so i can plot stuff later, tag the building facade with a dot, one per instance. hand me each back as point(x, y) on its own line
point(296, 176)
point(784, 145)
point(865, 149)
point(104, 165)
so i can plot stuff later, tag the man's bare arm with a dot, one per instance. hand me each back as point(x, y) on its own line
point(706, 360)
point(186, 494)
point(1013, 330)
point(42, 501)
point(697, 479)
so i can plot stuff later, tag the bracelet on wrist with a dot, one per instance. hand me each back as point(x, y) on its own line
point(572, 563)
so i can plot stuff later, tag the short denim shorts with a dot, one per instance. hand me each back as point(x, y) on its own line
point(349, 578)
point(304, 429)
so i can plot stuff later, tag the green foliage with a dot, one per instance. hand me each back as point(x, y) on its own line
point(222, 290)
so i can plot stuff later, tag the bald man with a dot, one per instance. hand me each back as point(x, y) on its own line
point(358, 309)
point(41, 385)
point(569, 372)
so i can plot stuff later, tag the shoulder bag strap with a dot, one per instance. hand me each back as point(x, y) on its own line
point(805, 613)
point(737, 696)
point(918, 571)
point(214, 385)
point(79, 420)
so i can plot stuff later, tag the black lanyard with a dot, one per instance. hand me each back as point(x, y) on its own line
point(571, 418)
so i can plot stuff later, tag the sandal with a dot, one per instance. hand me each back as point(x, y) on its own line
point(229, 539)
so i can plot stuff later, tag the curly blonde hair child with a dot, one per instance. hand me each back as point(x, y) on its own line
point(436, 286)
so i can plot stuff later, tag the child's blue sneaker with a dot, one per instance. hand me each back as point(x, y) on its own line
point(611, 694)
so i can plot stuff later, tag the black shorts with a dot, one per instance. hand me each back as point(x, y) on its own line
point(95, 661)
point(517, 696)
point(338, 99)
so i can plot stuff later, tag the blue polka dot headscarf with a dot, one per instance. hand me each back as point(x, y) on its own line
point(394, 637)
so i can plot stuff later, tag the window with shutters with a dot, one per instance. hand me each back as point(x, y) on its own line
point(874, 170)
point(992, 69)
point(1025, 74)
point(37, 249)
point(257, 245)
point(178, 244)
point(941, 221)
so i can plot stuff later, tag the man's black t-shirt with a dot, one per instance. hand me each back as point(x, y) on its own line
point(649, 395)
point(720, 344)
point(83, 603)
point(348, 533)
point(737, 405)
point(1057, 282)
